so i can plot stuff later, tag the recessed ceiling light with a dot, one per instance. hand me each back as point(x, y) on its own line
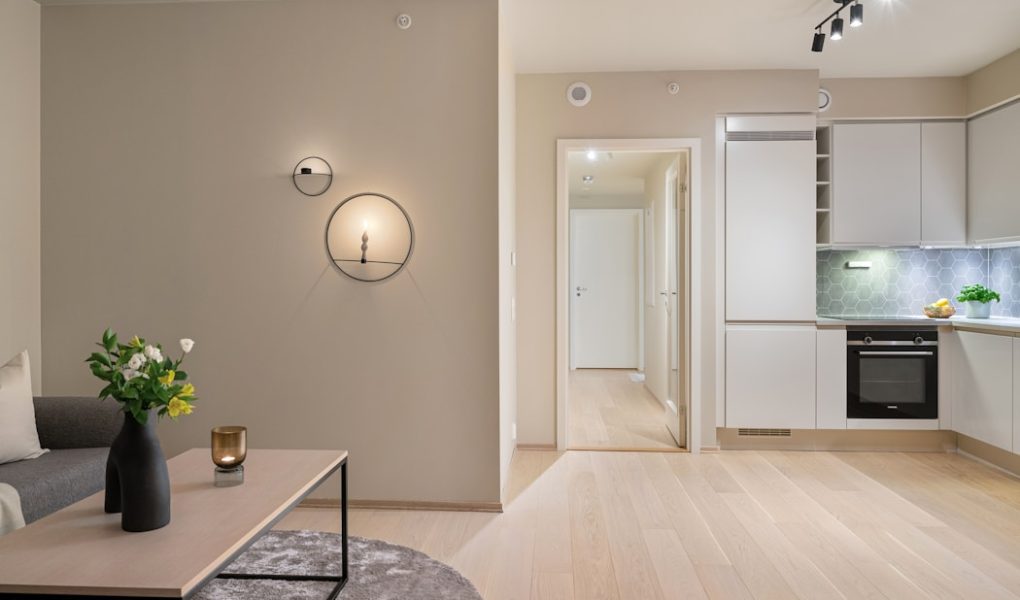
point(592, 155)
point(588, 178)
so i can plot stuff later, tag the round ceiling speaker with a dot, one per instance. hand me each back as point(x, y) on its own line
point(579, 93)
point(824, 99)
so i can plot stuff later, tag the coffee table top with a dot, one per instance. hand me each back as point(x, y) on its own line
point(82, 550)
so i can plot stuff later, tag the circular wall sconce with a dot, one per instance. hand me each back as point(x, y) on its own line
point(312, 176)
point(579, 93)
point(369, 237)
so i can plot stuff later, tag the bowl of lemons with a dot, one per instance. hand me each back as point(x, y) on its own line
point(940, 309)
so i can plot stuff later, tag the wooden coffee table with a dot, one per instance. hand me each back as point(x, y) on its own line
point(81, 552)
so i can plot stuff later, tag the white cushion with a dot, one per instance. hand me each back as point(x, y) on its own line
point(19, 438)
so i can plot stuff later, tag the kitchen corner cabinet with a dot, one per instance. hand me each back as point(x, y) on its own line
point(993, 178)
point(876, 183)
point(944, 183)
point(983, 395)
point(770, 376)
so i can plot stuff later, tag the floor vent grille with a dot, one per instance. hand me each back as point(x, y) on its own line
point(747, 432)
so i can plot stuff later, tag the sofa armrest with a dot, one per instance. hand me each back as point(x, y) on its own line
point(76, 422)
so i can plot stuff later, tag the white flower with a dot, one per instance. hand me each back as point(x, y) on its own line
point(187, 345)
point(153, 354)
point(130, 374)
point(135, 362)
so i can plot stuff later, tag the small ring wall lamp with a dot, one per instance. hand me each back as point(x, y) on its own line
point(369, 237)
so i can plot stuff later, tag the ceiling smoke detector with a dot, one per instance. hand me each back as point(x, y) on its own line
point(404, 21)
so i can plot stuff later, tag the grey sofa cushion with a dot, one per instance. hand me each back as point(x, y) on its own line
point(56, 479)
point(74, 422)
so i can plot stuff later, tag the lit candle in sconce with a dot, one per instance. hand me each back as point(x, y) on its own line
point(364, 242)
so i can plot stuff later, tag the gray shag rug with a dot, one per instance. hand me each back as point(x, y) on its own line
point(378, 571)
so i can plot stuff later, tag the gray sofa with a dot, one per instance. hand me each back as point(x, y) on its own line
point(78, 433)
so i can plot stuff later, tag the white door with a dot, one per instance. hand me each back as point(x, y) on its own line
point(605, 278)
point(675, 406)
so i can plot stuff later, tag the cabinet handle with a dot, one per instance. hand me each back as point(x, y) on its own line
point(893, 353)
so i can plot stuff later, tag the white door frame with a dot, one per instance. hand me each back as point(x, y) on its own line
point(640, 214)
point(694, 217)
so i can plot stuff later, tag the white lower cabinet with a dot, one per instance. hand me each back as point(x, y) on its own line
point(1016, 395)
point(770, 376)
point(831, 379)
point(983, 395)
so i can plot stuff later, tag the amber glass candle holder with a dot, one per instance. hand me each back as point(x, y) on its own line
point(229, 448)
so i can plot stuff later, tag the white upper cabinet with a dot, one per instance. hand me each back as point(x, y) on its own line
point(876, 183)
point(983, 388)
point(993, 176)
point(770, 230)
point(944, 183)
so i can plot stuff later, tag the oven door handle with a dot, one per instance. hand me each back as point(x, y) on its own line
point(894, 353)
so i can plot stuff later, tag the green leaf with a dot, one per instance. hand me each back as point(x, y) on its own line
point(109, 340)
point(180, 376)
point(100, 358)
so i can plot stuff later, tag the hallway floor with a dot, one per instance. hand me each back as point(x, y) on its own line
point(608, 410)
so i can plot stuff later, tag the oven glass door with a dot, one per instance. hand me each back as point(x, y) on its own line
point(892, 384)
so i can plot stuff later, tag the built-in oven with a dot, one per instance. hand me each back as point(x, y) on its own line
point(892, 373)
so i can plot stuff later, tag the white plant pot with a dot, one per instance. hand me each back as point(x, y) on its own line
point(979, 310)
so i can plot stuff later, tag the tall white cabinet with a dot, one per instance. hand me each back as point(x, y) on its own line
point(770, 272)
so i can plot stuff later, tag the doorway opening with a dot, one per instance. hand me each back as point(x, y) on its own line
point(626, 385)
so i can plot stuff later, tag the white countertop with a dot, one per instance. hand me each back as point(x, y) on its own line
point(1006, 324)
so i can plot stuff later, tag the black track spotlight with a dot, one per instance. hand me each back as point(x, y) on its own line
point(856, 15)
point(819, 42)
point(837, 29)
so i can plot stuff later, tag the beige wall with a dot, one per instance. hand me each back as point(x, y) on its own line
point(169, 135)
point(624, 105)
point(993, 84)
point(507, 246)
point(19, 184)
point(864, 98)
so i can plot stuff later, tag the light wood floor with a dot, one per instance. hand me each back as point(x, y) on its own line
point(608, 410)
point(647, 526)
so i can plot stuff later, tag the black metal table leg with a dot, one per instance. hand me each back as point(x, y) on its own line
point(340, 581)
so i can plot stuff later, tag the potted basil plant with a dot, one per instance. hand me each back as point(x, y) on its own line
point(978, 300)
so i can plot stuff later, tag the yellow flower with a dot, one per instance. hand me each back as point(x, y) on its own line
point(187, 391)
point(177, 407)
point(136, 342)
point(168, 378)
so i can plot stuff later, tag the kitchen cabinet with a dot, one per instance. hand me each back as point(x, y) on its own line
point(1016, 395)
point(876, 181)
point(944, 183)
point(983, 395)
point(993, 177)
point(770, 230)
point(831, 379)
point(770, 376)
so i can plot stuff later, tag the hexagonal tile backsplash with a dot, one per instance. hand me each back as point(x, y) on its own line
point(901, 281)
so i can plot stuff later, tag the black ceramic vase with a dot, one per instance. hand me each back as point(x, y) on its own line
point(137, 480)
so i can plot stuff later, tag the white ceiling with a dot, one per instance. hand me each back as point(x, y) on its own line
point(900, 38)
point(615, 173)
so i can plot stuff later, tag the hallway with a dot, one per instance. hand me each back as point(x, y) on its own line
point(608, 410)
